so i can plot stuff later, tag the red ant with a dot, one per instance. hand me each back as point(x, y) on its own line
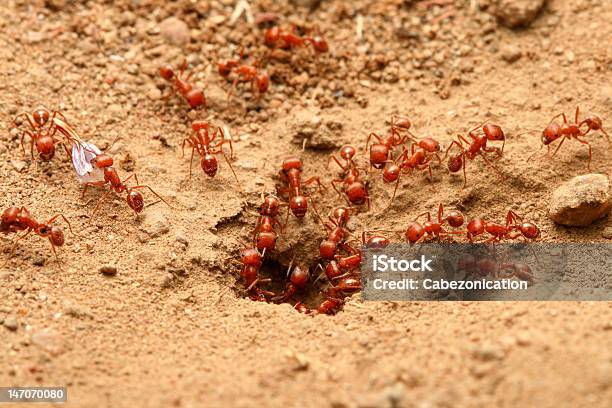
point(15, 219)
point(297, 280)
point(381, 152)
point(264, 234)
point(292, 173)
point(276, 36)
point(204, 143)
point(41, 133)
point(420, 158)
point(433, 229)
point(334, 297)
point(477, 147)
point(133, 198)
point(194, 96)
point(514, 222)
point(490, 267)
point(354, 189)
point(251, 261)
point(567, 130)
point(244, 73)
point(336, 227)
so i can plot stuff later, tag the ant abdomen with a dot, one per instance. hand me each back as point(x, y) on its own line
point(299, 206)
point(209, 165)
point(195, 98)
point(57, 236)
point(45, 146)
point(135, 201)
point(455, 163)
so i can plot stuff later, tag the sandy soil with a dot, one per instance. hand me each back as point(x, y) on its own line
point(173, 327)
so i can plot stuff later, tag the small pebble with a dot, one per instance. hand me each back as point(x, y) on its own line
point(11, 323)
point(518, 13)
point(38, 260)
point(108, 270)
point(607, 233)
point(175, 31)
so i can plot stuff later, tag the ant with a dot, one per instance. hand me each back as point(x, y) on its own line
point(264, 234)
point(422, 153)
point(292, 173)
point(514, 223)
point(244, 73)
point(567, 130)
point(491, 267)
point(354, 189)
point(194, 96)
point(334, 296)
point(276, 36)
point(336, 227)
point(15, 219)
point(477, 147)
point(297, 280)
point(204, 143)
point(381, 152)
point(251, 260)
point(342, 266)
point(134, 198)
point(42, 131)
point(433, 229)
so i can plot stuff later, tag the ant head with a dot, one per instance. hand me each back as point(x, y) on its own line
point(529, 230)
point(56, 235)
point(250, 256)
point(270, 205)
point(551, 133)
point(209, 164)
point(198, 125)
point(299, 276)
point(271, 36)
point(45, 146)
point(298, 205)
point(320, 44)
point(263, 82)
point(224, 68)
point(102, 161)
point(476, 226)
point(414, 232)
point(10, 215)
point(455, 162)
point(40, 116)
point(593, 122)
point(377, 242)
point(348, 152)
point(391, 173)
point(378, 155)
point(455, 218)
point(195, 98)
point(292, 162)
point(493, 132)
point(341, 214)
point(430, 145)
point(135, 201)
point(166, 72)
point(398, 122)
point(327, 249)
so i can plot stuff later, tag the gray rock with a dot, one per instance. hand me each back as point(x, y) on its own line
point(607, 233)
point(517, 13)
point(581, 200)
point(175, 31)
point(38, 260)
point(157, 225)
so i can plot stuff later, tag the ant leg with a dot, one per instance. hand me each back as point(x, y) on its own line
point(577, 113)
point(314, 180)
point(332, 156)
point(55, 253)
point(99, 202)
point(492, 165)
point(590, 151)
point(427, 213)
point(23, 135)
point(231, 91)
point(450, 146)
point(50, 220)
point(15, 245)
point(399, 176)
point(464, 173)
point(559, 146)
point(378, 138)
point(153, 191)
point(319, 215)
point(28, 118)
point(233, 172)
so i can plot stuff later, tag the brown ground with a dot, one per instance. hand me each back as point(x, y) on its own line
point(173, 327)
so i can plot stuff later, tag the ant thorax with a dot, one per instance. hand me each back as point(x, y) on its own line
point(82, 155)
